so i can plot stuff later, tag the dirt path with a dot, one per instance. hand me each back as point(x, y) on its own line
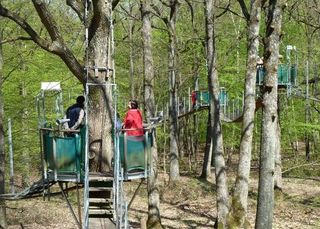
point(191, 204)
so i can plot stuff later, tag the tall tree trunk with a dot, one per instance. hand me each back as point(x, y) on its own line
point(3, 220)
point(277, 158)
point(307, 107)
point(154, 220)
point(131, 70)
point(215, 125)
point(100, 108)
point(309, 34)
point(174, 153)
point(207, 161)
point(270, 117)
point(240, 196)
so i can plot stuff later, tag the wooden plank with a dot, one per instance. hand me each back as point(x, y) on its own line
point(95, 176)
point(97, 212)
point(100, 200)
point(100, 189)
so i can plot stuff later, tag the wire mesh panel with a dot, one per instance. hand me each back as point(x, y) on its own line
point(134, 152)
point(64, 155)
point(134, 155)
point(287, 75)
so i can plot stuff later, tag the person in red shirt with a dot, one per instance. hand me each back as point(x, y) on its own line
point(133, 120)
point(194, 99)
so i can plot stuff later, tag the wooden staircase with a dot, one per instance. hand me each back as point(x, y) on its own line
point(101, 208)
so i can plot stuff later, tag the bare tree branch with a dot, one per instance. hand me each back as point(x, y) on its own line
point(115, 3)
point(164, 3)
point(244, 10)
point(78, 7)
point(191, 12)
point(156, 10)
point(315, 163)
point(47, 20)
point(129, 14)
point(57, 47)
point(21, 38)
point(226, 9)
point(25, 26)
point(157, 13)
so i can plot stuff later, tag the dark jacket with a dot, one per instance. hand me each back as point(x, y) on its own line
point(73, 113)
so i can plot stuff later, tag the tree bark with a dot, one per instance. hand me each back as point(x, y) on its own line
point(207, 160)
point(100, 107)
point(215, 125)
point(131, 57)
point(154, 219)
point(3, 220)
point(237, 217)
point(278, 163)
point(277, 158)
point(270, 117)
point(174, 151)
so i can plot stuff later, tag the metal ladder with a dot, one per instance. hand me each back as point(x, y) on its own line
point(100, 200)
point(121, 206)
point(103, 192)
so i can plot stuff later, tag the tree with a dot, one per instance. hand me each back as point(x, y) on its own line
point(170, 23)
point(207, 159)
point(270, 117)
point(277, 160)
point(237, 216)
point(98, 54)
point(172, 67)
point(3, 221)
point(215, 124)
point(154, 220)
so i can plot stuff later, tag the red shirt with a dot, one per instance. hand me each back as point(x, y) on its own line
point(193, 97)
point(133, 120)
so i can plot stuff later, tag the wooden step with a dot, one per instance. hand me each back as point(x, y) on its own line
point(106, 207)
point(101, 184)
point(100, 202)
point(100, 213)
point(95, 176)
point(100, 195)
point(99, 189)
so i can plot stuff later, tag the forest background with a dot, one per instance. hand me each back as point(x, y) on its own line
point(25, 66)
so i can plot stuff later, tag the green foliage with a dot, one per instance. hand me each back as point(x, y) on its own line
point(26, 66)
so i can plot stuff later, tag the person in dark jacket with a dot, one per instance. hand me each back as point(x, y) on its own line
point(76, 114)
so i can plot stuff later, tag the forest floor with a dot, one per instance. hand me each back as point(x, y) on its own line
point(189, 204)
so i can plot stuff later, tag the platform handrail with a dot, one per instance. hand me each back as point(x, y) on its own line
point(60, 130)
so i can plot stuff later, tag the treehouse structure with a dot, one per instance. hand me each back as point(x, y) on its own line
point(62, 151)
point(287, 72)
